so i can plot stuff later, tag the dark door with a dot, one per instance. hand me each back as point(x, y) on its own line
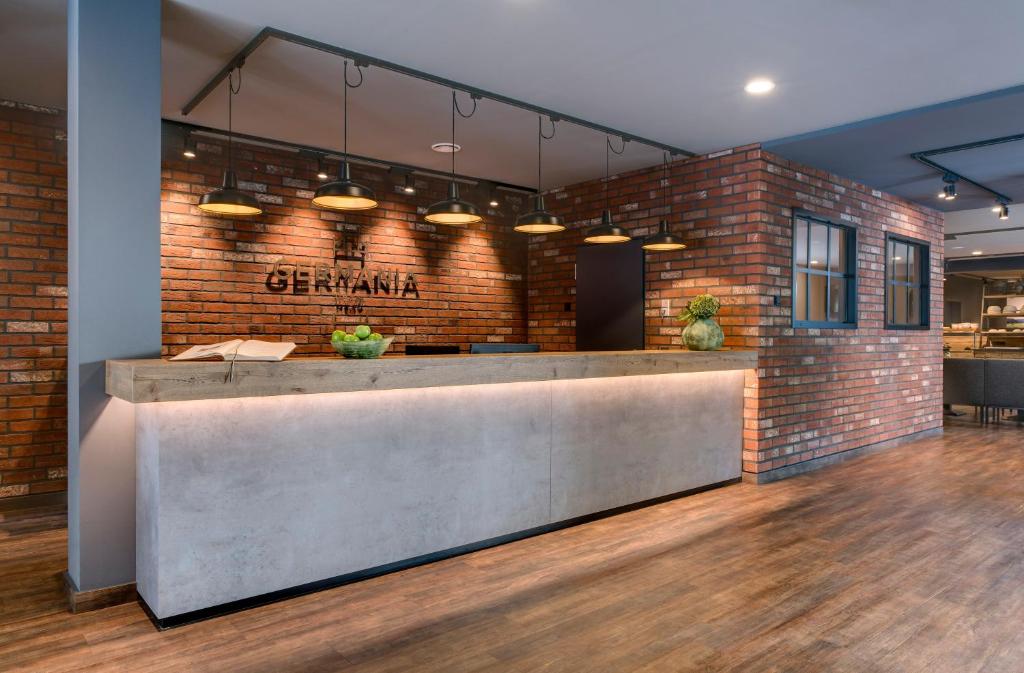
point(610, 297)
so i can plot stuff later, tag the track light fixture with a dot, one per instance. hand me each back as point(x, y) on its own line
point(949, 190)
point(454, 210)
point(1004, 212)
point(321, 170)
point(608, 231)
point(539, 220)
point(228, 199)
point(664, 240)
point(344, 193)
point(189, 146)
point(410, 186)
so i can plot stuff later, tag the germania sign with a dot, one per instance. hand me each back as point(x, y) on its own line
point(348, 276)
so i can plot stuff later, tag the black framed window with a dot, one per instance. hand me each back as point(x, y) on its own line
point(824, 273)
point(907, 298)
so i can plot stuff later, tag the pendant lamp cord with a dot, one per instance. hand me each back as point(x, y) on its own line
point(664, 187)
point(457, 108)
point(608, 163)
point(359, 69)
point(540, 136)
point(233, 90)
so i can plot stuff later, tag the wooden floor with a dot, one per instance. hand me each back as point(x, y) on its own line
point(907, 560)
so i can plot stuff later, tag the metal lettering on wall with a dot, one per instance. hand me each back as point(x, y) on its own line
point(347, 276)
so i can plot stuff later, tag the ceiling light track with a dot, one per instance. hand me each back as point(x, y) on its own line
point(951, 177)
point(365, 61)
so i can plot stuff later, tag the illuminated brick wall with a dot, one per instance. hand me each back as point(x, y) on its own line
point(470, 281)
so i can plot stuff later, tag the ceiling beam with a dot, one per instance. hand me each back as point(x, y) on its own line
point(238, 60)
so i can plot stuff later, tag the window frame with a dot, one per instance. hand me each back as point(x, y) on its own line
point(851, 276)
point(924, 260)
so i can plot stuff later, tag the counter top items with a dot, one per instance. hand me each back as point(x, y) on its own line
point(161, 381)
point(363, 343)
point(239, 351)
point(962, 327)
point(994, 310)
point(702, 333)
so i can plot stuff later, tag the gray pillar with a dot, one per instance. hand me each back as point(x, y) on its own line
point(113, 268)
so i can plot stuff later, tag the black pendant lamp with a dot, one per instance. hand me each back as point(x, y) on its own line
point(344, 193)
point(664, 240)
point(607, 231)
point(539, 220)
point(453, 210)
point(228, 199)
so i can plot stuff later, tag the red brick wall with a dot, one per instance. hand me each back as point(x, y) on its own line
point(471, 280)
point(33, 300)
point(817, 392)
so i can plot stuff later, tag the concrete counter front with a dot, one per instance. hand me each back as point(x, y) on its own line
point(310, 472)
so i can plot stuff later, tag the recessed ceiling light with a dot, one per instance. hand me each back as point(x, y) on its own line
point(446, 148)
point(814, 261)
point(956, 247)
point(759, 86)
point(977, 252)
point(897, 258)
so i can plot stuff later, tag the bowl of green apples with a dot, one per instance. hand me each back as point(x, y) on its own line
point(362, 343)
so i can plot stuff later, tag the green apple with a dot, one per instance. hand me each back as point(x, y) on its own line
point(376, 337)
point(350, 337)
point(338, 335)
point(363, 332)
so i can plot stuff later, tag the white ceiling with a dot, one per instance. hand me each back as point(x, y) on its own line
point(997, 243)
point(672, 71)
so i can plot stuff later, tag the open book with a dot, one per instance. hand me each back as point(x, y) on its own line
point(236, 349)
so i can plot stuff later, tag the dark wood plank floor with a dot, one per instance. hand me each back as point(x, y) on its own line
point(908, 560)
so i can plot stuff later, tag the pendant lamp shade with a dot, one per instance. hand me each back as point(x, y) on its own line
point(452, 210)
point(229, 200)
point(538, 220)
point(663, 240)
point(344, 194)
point(607, 231)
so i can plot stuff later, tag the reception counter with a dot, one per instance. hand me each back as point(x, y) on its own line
point(278, 478)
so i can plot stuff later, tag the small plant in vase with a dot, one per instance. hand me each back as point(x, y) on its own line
point(702, 333)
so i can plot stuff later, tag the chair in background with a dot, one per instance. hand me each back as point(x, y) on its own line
point(1004, 386)
point(503, 348)
point(963, 382)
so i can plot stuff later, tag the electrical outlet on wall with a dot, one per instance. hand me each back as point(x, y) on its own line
point(666, 308)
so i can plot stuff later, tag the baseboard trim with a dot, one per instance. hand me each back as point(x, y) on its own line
point(34, 501)
point(97, 599)
point(833, 459)
point(348, 578)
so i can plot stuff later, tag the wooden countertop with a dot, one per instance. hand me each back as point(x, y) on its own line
point(164, 381)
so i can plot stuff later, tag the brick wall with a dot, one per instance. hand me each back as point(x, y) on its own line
point(818, 392)
point(470, 280)
point(33, 300)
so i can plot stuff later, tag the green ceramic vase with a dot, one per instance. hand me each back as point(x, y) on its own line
point(703, 335)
